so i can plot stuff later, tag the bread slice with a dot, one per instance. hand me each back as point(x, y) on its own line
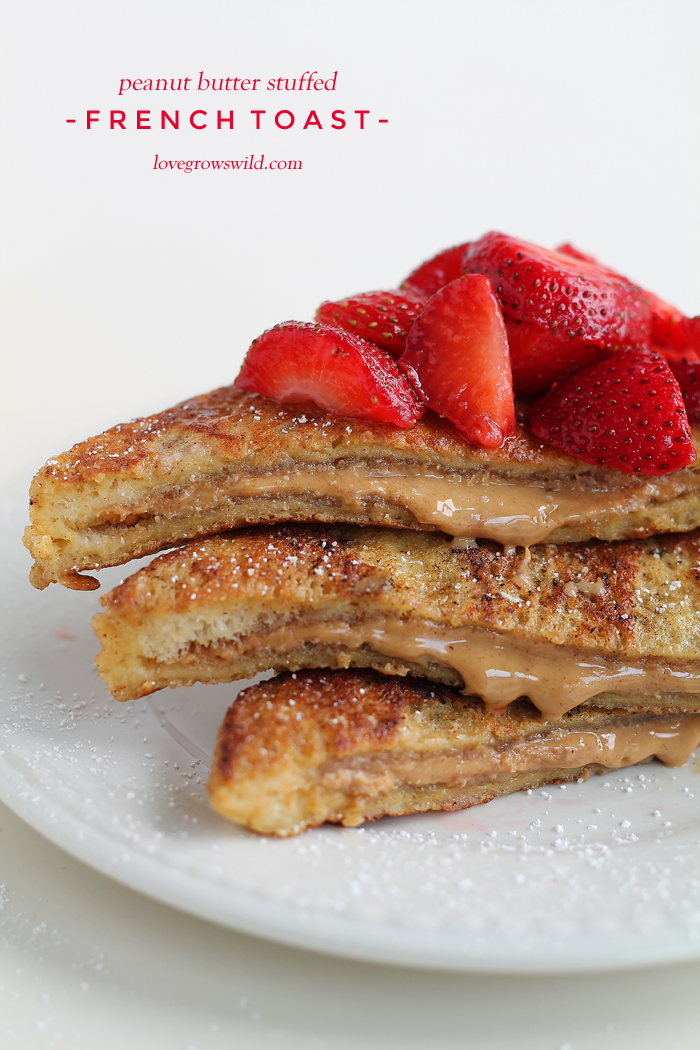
point(230, 458)
point(561, 624)
point(351, 746)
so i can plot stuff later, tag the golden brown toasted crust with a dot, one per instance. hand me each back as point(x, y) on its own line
point(212, 610)
point(299, 750)
point(149, 484)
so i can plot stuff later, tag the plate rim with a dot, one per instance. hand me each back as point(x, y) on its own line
point(144, 874)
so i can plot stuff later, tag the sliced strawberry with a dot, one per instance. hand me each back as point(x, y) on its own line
point(539, 357)
point(664, 317)
point(343, 374)
point(382, 317)
point(691, 333)
point(568, 249)
point(688, 375)
point(568, 296)
point(457, 357)
point(434, 274)
point(625, 412)
point(672, 333)
point(675, 336)
point(665, 322)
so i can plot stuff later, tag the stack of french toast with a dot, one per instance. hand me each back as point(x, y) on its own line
point(456, 520)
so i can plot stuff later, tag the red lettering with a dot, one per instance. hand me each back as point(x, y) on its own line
point(166, 116)
point(284, 127)
point(312, 121)
point(203, 82)
point(116, 119)
point(124, 85)
point(257, 113)
point(224, 120)
point(142, 118)
point(362, 113)
point(196, 113)
point(338, 115)
point(93, 115)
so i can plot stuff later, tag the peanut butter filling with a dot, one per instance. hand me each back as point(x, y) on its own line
point(513, 513)
point(494, 666)
point(672, 740)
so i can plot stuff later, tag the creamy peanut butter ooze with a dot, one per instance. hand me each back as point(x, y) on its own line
point(559, 624)
point(230, 459)
point(511, 512)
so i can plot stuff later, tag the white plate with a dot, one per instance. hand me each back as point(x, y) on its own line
point(602, 875)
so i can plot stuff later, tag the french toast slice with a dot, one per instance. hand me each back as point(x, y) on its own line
point(350, 746)
point(614, 624)
point(230, 458)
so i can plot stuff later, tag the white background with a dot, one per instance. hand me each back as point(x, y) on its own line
point(124, 289)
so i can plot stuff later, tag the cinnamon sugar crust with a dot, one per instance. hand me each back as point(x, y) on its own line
point(296, 596)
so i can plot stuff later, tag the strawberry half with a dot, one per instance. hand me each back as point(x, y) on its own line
point(382, 317)
point(570, 297)
point(687, 374)
point(457, 357)
point(343, 374)
point(539, 357)
point(625, 412)
point(675, 335)
point(434, 274)
point(671, 332)
point(568, 249)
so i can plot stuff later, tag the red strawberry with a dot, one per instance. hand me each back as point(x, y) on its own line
point(457, 356)
point(568, 249)
point(539, 357)
point(671, 332)
point(434, 274)
point(343, 374)
point(675, 335)
point(688, 375)
point(625, 412)
point(382, 317)
point(691, 332)
point(665, 323)
point(568, 296)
